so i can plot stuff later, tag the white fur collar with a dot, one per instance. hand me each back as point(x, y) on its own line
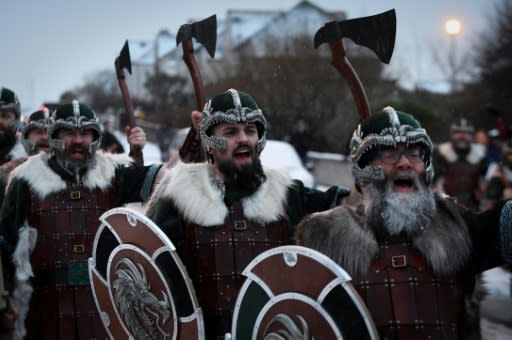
point(18, 151)
point(475, 155)
point(198, 195)
point(44, 181)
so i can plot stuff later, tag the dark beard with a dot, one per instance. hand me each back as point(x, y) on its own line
point(391, 212)
point(7, 136)
point(246, 178)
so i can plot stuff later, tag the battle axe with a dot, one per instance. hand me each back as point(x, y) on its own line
point(376, 32)
point(122, 62)
point(205, 33)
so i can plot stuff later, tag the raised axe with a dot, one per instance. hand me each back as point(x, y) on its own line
point(205, 32)
point(123, 61)
point(376, 32)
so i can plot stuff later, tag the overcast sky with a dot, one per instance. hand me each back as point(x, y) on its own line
point(51, 46)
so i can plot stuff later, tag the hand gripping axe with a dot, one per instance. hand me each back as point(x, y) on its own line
point(123, 61)
point(205, 32)
point(376, 32)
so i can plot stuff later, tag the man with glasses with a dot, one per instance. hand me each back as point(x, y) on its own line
point(412, 254)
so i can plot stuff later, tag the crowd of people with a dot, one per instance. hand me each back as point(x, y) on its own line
point(410, 236)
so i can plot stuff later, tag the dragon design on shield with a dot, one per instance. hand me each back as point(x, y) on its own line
point(140, 309)
point(289, 329)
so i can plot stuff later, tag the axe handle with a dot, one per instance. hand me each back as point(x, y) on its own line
point(342, 64)
point(189, 150)
point(128, 105)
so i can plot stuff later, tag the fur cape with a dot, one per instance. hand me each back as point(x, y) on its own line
point(44, 181)
point(198, 193)
point(475, 155)
point(343, 234)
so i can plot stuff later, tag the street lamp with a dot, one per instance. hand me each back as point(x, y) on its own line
point(453, 28)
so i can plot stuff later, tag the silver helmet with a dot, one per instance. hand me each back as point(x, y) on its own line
point(231, 106)
point(39, 119)
point(73, 116)
point(387, 128)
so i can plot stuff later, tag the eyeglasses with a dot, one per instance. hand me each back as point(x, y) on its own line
point(392, 156)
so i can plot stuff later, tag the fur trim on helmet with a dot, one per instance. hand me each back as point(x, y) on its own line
point(199, 195)
point(232, 107)
point(44, 181)
point(344, 235)
point(387, 128)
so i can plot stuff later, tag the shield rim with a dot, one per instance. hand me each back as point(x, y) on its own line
point(197, 313)
point(342, 277)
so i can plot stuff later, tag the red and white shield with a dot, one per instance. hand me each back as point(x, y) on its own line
point(140, 286)
point(293, 292)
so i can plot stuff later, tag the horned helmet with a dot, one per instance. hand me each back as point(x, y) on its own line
point(387, 129)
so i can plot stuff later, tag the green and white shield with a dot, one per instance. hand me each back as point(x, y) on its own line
point(293, 292)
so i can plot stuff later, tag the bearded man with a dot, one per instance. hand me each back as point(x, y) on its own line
point(461, 165)
point(50, 217)
point(220, 215)
point(412, 254)
point(9, 119)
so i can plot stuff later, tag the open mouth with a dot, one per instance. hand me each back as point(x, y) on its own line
point(242, 154)
point(78, 153)
point(404, 184)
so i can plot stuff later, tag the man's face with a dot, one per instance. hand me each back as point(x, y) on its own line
point(7, 118)
point(40, 137)
point(461, 140)
point(241, 145)
point(401, 166)
point(77, 142)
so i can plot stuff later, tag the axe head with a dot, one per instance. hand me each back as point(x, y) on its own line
point(204, 31)
point(124, 60)
point(376, 32)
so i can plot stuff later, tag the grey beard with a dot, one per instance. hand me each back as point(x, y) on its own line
point(395, 212)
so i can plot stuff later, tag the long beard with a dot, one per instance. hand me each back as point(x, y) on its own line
point(247, 177)
point(394, 212)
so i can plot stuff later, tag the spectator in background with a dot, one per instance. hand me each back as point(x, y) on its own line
point(499, 179)
point(494, 151)
point(109, 141)
point(460, 165)
point(301, 140)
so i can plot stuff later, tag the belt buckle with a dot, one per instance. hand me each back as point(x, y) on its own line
point(74, 195)
point(240, 225)
point(78, 248)
point(399, 261)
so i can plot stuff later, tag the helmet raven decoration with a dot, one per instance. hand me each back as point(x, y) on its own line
point(73, 116)
point(387, 129)
point(39, 119)
point(233, 107)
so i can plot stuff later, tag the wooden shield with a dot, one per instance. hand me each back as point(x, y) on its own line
point(294, 292)
point(141, 287)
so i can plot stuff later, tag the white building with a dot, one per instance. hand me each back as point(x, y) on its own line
point(242, 30)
